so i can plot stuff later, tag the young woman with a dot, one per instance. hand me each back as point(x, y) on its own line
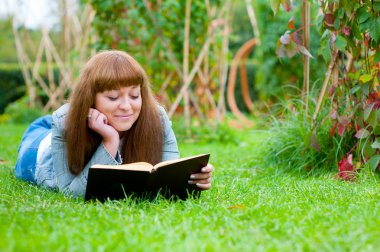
point(112, 118)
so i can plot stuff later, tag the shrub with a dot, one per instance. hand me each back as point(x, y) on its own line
point(20, 112)
point(11, 85)
point(296, 145)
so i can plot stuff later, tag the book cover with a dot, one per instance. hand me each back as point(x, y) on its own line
point(168, 178)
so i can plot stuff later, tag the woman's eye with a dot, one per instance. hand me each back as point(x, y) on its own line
point(112, 98)
point(135, 97)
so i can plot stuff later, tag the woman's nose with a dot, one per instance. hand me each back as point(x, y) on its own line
point(125, 104)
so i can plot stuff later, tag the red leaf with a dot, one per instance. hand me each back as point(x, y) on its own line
point(357, 127)
point(340, 129)
point(347, 30)
point(291, 24)
point(333, 129)
point(286, 5)
point(346, 169)
point(329, 19)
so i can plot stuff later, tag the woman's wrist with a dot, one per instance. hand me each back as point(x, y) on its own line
point(112, 145)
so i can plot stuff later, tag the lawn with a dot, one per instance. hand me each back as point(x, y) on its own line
point(251, 207)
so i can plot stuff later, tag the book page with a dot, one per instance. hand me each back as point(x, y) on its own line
point(139, 166)
point(175, 161)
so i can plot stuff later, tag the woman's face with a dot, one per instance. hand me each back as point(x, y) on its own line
point(121, 107)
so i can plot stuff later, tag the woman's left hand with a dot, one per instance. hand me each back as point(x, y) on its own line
point(203, 179)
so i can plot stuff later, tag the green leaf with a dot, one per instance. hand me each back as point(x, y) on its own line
point(364, 27)
point(367, 112)
point(374, 162)
point(336, 23)
point(275, 4)
point(377, 56)
point(374, 29)
point(372, 119)
point(355, 89)
point(365, 78)
point(341, 43)
point(304, 51)
point(363, 15)
point(376, 144)
point(324, 50)
point(356, 31)
point(362, 133)
point(376, 6)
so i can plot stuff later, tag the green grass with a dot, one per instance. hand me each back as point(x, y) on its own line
point(249, 208)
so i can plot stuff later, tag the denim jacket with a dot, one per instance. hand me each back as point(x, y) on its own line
point(52, 169)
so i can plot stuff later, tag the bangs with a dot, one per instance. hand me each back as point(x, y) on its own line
point(115, 71)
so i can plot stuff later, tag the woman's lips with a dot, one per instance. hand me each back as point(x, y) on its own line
point(123, 116)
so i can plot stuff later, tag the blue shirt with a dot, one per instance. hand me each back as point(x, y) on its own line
point(52, 169)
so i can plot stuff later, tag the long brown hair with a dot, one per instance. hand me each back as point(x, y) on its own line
point(110, 70)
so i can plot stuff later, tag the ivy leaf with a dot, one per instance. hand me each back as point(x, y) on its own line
point(374, 162)
point(365, 78)
point(340, 43)
point(362, 133)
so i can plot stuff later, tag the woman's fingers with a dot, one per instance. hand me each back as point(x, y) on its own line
point(208, 168)
point(204, 186)
point(200, 181)
point(203, 179)
point(203, 175)
point(95, 117)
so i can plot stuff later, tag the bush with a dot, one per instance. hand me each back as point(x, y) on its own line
point(201, 132)
point(297, 145)
point(20, 112)
point(12, 85)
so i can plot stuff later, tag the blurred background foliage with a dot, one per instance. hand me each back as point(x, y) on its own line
point(154, 33)
point(135, 27)
point(147, 30)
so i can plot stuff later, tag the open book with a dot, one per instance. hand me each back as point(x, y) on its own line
point(169, 178)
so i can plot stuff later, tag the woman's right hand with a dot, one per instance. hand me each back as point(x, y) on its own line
point(98, 122)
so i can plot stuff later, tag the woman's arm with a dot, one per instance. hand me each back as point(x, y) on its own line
point(170, 148)
point(68, 183)
point(170, 151)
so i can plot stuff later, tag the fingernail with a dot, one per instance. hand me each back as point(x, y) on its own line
point(190, 182)
point(192, 176)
